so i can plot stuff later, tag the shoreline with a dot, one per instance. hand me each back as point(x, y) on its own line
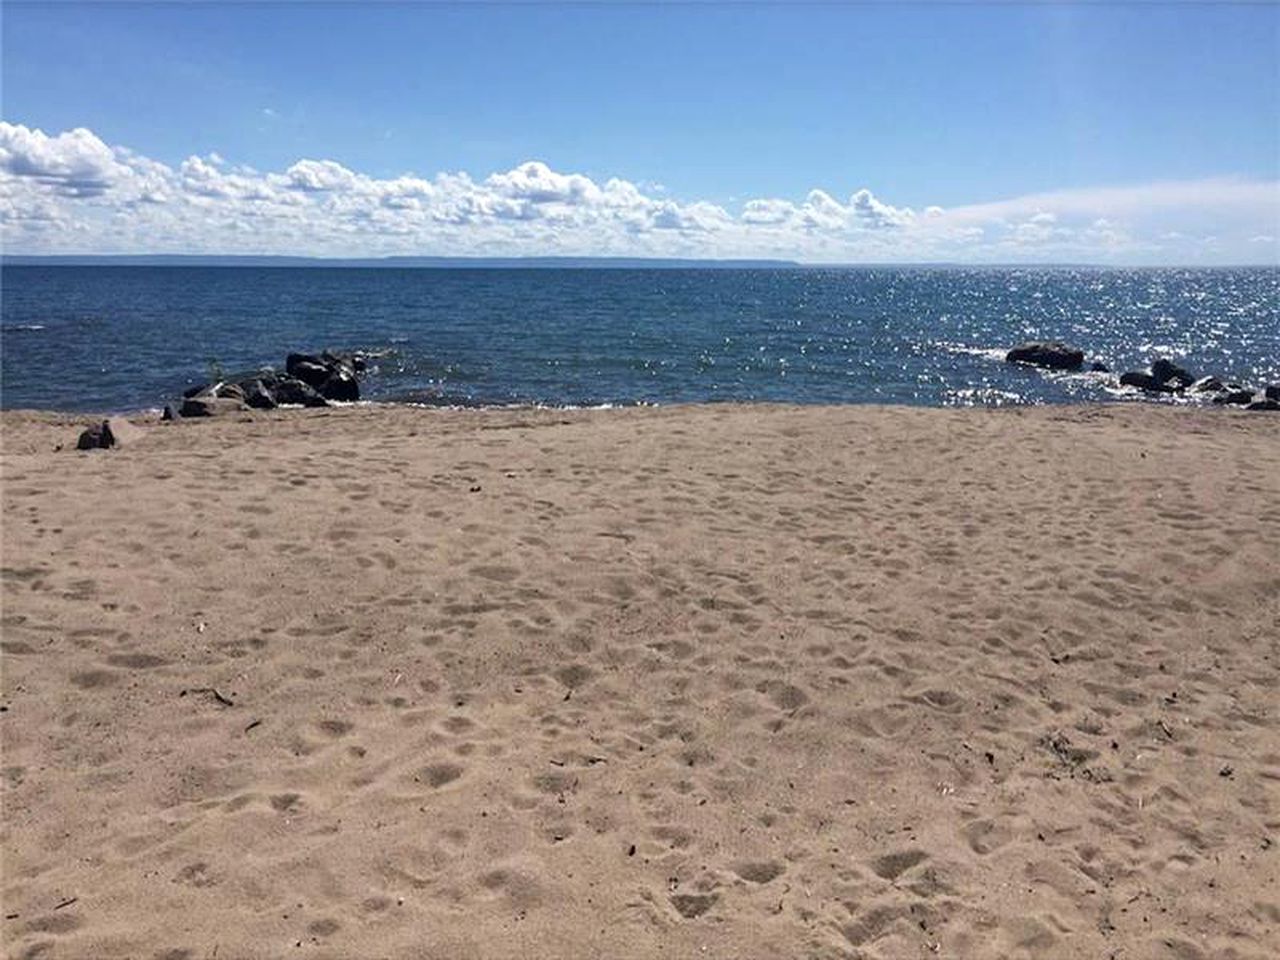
point(724, 680)
point(1120, 400)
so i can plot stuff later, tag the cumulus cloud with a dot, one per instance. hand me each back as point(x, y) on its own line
point(75, 163)
point(71, 192)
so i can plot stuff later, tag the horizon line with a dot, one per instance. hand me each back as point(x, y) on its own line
point(430, 261)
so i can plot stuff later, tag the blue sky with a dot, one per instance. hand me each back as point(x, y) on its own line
point(701, 109)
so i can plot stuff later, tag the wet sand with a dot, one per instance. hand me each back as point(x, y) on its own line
point(725, 681)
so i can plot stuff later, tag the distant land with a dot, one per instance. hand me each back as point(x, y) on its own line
point(551, 263)
point(506, 263)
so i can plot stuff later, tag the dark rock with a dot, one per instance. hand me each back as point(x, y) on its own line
point(351, 361)
point(1166, 370)
point(97, 437)
point(1208, 385)
point(230, 390)
point(169, 413)
point(1099, 367)
point(1054, 355)
point(1264, 405)
point(209, 406)
point(290, 390)
point(313, 371)
point(341, 385)
point(1272, 392)
point(1144, 381)
point(198, 390)
point(1238, 398)
point(257, 395)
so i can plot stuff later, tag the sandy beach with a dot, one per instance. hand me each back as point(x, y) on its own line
point(718, 681)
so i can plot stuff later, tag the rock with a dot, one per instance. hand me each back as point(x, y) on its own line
point(1144, 381)
point(97, 437)
point(312, 371)
point(1208, 385)
point(232, 390)
point(331, 375)
point(198, 390)
point(1272, 392)
point(1099, 367)
point(1166, 370)
point(169, 413)
point(1239, 398)
point(210, 406)
point(257, 395)
point(1051, 354)
point(1264, 405)
point(290, 390)
point(351, 361)
point(341, 385)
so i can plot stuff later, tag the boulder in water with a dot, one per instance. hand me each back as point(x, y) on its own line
point(1166, 371)
point(1208, 385)
point(257, 395)
point(1099, 367)
point(1272, 392)
point(341, 385)
point(312, 371)
point(1050, 354)
point(1144, 381)
point(294, 391)
point(1236, 397)
point(332, 375)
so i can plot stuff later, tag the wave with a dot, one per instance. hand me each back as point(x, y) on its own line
point(988, 353)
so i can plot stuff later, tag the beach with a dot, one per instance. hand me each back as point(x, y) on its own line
point(735, 681)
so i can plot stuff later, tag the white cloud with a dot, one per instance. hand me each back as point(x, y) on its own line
point(75, 163)
point(72, 192)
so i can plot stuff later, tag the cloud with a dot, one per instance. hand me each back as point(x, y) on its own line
point(72, 192)
point(75, 163)
point(1218, 195)
point(879, 215)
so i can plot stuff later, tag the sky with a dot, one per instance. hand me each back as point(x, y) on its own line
point(1127, 133)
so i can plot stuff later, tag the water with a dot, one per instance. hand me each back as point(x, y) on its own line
point(129, 338)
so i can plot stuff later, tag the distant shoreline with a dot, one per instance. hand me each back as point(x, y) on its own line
point(550, 263)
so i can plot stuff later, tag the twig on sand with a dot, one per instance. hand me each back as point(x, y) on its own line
point(66, 903)
point(213, 692)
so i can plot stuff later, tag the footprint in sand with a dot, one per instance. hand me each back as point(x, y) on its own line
point(437, 775)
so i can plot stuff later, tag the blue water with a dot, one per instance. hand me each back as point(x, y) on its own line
point(129, 338)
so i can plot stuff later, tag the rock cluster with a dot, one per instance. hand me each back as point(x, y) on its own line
point(308, 381)
point(1164, 376)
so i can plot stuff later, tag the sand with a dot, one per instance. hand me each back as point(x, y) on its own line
point(721, 681)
